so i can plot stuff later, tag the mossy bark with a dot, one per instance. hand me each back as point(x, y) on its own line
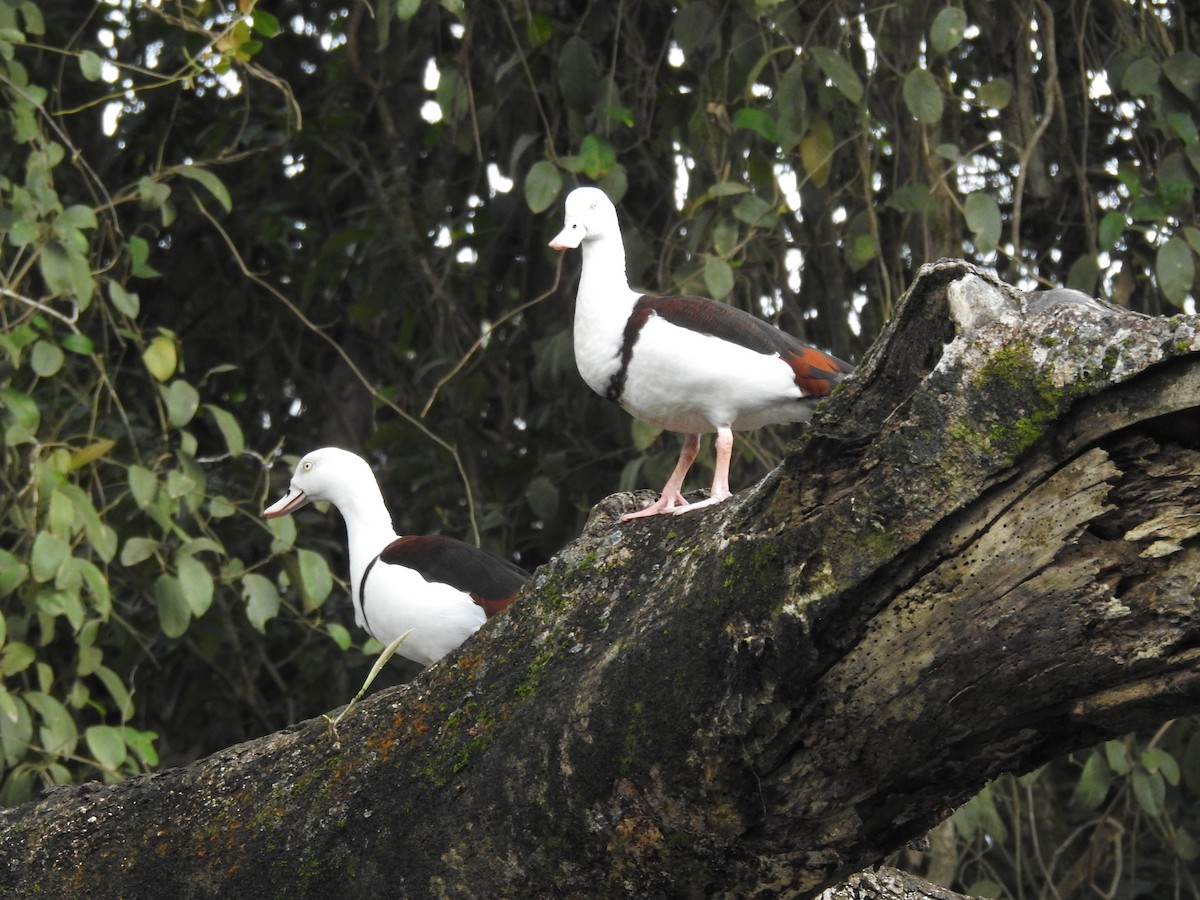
point(985, 553)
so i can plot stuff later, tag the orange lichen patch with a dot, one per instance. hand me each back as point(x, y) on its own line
point(381, 745)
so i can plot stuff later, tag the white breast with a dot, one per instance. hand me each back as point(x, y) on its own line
point(440, 617)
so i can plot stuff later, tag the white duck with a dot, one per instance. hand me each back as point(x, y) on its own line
point(438, 588)
point(687, 364)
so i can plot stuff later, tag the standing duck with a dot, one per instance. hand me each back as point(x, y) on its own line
point(437, 588)
point(681, 363)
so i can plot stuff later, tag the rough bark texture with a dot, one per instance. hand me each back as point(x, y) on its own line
point(984, 554)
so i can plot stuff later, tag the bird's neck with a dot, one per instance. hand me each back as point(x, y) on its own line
point(368, 522)
point(604, 292)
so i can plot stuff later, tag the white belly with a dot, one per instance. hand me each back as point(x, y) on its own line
point(438, 617)
point(682, 380)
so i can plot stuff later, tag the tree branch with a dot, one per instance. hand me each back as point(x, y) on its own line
point(984, 554)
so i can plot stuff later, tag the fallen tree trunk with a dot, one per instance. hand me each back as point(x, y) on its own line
point(983, 555)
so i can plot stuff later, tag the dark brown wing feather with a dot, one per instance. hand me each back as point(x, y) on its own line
point(491, 581)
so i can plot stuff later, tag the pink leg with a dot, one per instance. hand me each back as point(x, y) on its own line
point(672, 494)
point(720, 486)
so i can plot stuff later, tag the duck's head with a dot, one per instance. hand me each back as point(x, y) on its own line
point(589, 215)
point(321, 475)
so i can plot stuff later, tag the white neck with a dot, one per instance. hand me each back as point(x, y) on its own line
point(368, 522)
point(602, 308)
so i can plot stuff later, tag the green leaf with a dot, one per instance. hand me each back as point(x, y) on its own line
point(17, 657)
point(543, 184)
point(1112, 226)
point(78, 216)
point(1174, 269)
point(220, 507)
point(143, 485)
point(816, 152)
point(195, 583)
point(154, 194)
point(22, 414)
point(122, 300)
point(996, 94)
point(694, 25)
point(543, 497)
point(117, 690)
point(754, 211)
point(725, 237)
point(283, 531)
point(8, 706)
point(983, 218)
point(718, 277)
point(861, 250)
point(139, 255)
point(757, 121)
point(85, 456)
point(182, 402)
point(208, 180)
point(107, 745)
point(539, 30)
point(60, 515)
point(1150, 791)
point(79, 343)
point(66, 272)
point(948, 29)
point(138, 549)
point(791, 105)
point(1141, 78)
point(142, 743)
point(316, 581)
point(912, 198)
point(174, 614)
point(262, 600)
point(1084, 274)
point(97, 584)
point(1191, 234)
point(265, 23)
point(406, 9)
point(91, 65)
point(58, 733)
point(46, 358)
point(161, 357)
point(598, 156)
point(1117, 757)
point(643, 434)
point(16, 731)
point(1185, 845)
point(839, 71)
point(452, 96)
point(13, 573)
point(49, 551)
point(229, 427)
point(986, 887)
point(923, 96)
point(1094, 783)
point(1183, 71)
point(90, 659)
point(579, 75)
point(340, 635)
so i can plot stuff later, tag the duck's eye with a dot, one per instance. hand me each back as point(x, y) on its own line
point(307, 466)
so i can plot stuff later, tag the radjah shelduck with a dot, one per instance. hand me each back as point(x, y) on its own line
point(437, 588)
point(680, 363)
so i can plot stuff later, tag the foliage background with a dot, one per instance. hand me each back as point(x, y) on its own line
point(236, 232)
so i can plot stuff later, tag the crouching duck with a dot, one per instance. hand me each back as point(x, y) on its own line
point(680, 363)
point(437, 588)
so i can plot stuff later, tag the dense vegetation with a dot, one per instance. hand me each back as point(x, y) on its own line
point(232, 234)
